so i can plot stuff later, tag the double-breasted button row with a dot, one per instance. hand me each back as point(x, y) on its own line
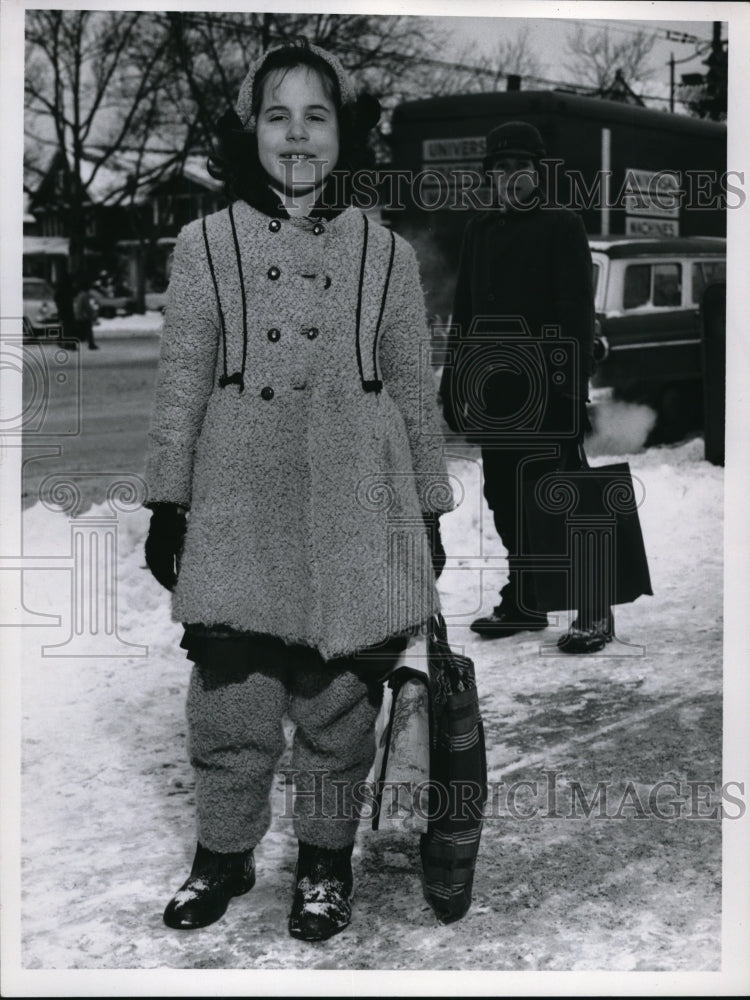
point(274, 334)
point(318, 229)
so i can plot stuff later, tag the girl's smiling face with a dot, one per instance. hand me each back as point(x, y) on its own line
point(297, 130)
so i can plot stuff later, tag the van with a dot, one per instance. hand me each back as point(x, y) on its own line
point(648, 295)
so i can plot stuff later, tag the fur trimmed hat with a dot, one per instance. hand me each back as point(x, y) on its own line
point(244, 106)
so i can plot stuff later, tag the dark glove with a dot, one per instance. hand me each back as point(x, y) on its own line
point(437, 551)
point(166, 533)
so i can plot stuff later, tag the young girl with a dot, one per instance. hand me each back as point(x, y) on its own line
point(294, 452)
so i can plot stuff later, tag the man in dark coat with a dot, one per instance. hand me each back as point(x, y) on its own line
point(84, 313)
point(516, 378)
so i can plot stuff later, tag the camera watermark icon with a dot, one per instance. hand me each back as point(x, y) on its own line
point(507, 386)
point(50, 402)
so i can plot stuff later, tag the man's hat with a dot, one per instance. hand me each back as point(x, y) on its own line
point(513, 139)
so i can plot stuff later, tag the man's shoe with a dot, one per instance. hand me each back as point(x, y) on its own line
point(322, 897)
point(214, 880)
point(502, 623)
point(581, 638)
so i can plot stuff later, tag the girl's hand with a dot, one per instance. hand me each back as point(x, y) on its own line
point(166, 534)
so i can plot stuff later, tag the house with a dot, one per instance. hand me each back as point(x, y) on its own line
point(181, 195)
point(133, 209)
point(43, 256)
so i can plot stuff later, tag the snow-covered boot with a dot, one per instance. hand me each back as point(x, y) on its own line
point(322, 898)
point(214, 879)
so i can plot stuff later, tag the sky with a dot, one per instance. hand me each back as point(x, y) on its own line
point(548, 35)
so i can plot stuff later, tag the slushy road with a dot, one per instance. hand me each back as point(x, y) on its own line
point(87, 412)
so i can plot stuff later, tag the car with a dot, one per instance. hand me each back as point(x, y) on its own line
point(648, 344)
point(155, 301)
point(39, 309)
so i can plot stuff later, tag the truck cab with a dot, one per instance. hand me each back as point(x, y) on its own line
point(648, 294)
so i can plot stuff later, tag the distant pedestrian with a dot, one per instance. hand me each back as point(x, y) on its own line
point(292, 419)
point(84, 314)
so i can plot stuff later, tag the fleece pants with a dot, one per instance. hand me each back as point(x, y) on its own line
point(235, 710)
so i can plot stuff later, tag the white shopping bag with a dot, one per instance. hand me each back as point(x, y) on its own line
point(402, 762)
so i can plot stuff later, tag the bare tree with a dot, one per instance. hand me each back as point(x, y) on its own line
point(597, 55)
point(135, 93)
point(513, 55)
point(91, 89)
point(469, 73)
point(391, 56)
point(518, 56)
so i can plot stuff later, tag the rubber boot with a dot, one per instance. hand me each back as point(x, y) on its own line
point(214, 879)
point(322, 897)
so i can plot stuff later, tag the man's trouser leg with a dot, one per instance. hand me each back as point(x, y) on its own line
point(503, 468)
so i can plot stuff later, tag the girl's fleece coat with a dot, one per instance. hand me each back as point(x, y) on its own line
point(305, 490)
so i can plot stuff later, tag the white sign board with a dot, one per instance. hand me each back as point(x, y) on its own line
point(468, 148)
point(655, 194)
point(652, 227)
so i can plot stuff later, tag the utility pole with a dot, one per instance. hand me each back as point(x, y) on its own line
point(671, 81)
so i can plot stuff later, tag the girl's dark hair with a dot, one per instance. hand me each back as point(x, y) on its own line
point(234, 158)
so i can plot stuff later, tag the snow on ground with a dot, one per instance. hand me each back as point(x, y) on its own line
point(135, 324)
point(107, 793)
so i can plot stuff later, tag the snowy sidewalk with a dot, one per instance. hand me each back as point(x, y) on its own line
point(107, 803)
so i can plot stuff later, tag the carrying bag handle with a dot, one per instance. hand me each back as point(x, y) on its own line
point(457, 669)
